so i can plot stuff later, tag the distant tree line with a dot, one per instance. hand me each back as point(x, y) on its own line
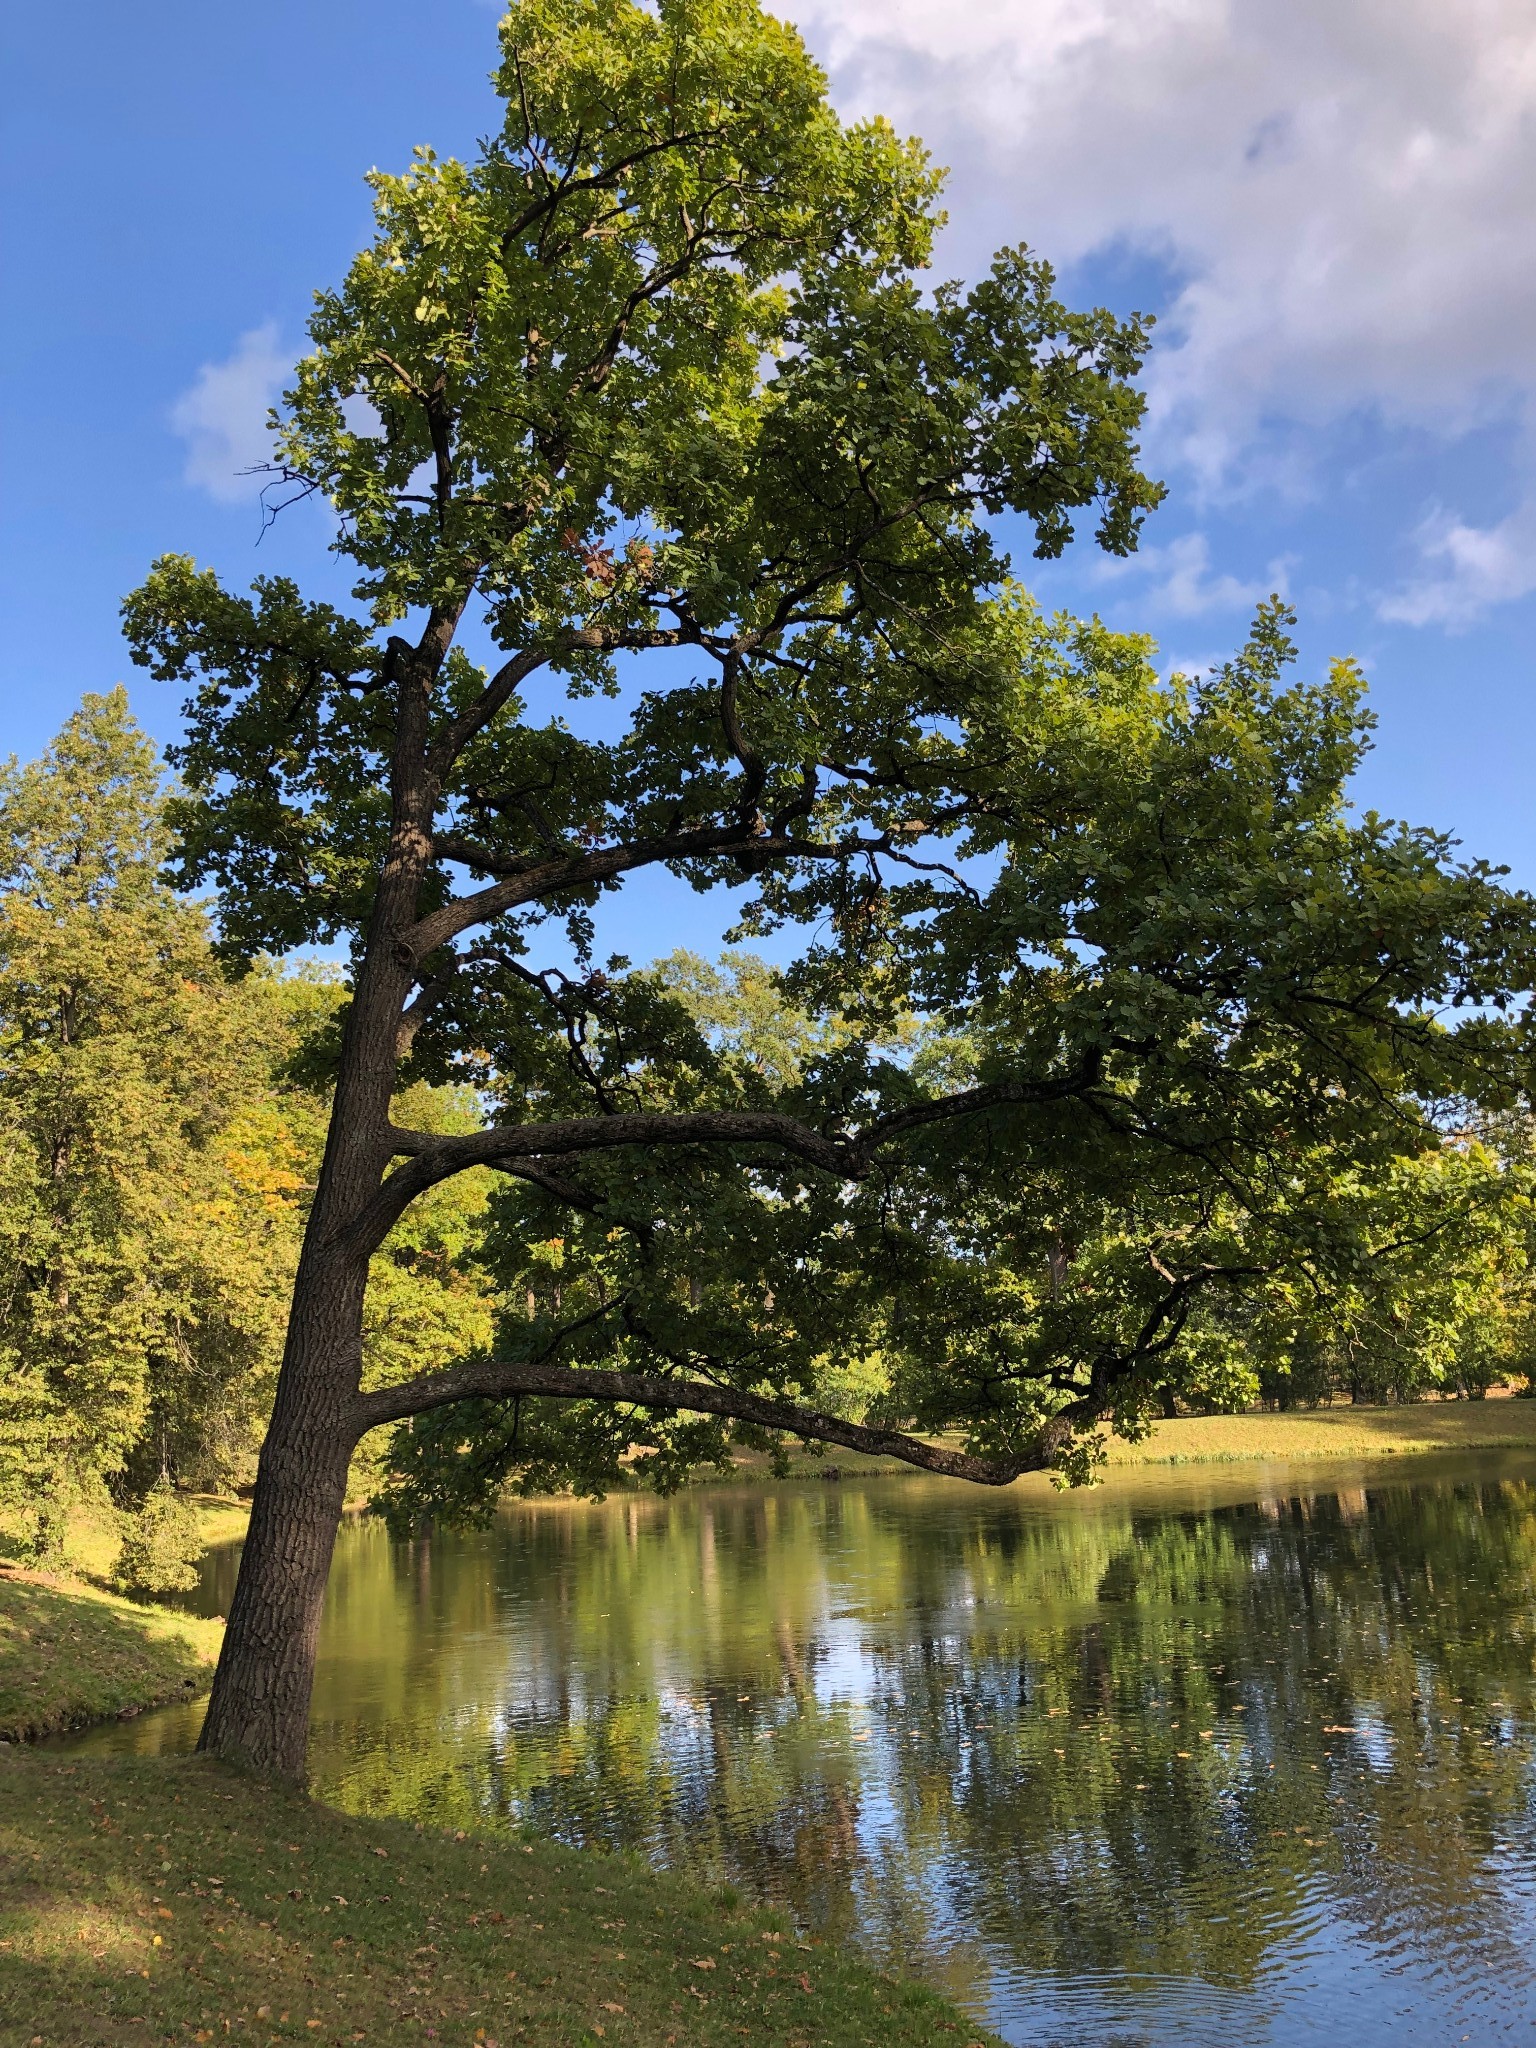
point(162, 1121)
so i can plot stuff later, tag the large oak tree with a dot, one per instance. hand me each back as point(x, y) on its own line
point(649, 402)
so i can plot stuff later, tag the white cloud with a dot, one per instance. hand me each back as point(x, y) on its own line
point(1186, 587)
point(1182, 582)
point(1468, 569)
point(223, 417)
point(1347, 192)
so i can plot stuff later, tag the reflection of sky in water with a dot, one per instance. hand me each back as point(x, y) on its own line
point(1196, 1759)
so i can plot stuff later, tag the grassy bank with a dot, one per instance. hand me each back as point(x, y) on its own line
point(1335, 1432)
point(1344, 1432)
point(94, 1534)
point(177, 1901)
point(70, 1654)
point(167, 1901)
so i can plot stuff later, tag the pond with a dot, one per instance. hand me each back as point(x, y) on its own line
point(1215, 1755)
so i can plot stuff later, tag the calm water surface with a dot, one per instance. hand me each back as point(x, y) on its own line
point(1223, 1755)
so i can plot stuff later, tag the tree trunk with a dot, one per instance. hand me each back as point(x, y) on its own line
point(258, 1712)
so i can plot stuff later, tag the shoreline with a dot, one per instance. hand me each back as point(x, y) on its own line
point(174, 1898)
point(72, 1655)
point(1304, 1435)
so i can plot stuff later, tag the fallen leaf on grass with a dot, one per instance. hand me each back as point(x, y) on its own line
point(609, 2006)
point(703, 1963)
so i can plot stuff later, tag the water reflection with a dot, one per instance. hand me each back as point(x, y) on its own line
point(1168, 1763)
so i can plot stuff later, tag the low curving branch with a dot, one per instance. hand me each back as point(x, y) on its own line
point(501, 1379)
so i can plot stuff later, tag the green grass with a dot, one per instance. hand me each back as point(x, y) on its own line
point(1344, 1432)
point(177, 1901)
point(94, 1535)
point(70, 1654)
point(1335, 1432)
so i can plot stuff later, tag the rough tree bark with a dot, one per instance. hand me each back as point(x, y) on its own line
point(258, 1710)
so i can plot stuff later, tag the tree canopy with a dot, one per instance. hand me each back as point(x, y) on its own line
point(653, 401)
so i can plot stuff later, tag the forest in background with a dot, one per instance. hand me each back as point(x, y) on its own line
point(163, 1118)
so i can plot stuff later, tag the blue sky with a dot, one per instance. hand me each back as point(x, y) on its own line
point(1331, 210)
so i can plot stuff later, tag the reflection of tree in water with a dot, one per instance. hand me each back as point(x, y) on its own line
point(1086, 1738)
point(1134, 1779)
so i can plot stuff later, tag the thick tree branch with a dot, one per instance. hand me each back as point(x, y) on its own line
point(453, 739)
point(497, 1379)
point(526, 1149)
point(579, 871)
point(849, 1156)
point(417, 1012)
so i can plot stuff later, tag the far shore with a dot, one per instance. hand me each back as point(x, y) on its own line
point(1299, 1435)
point(1343, 1432)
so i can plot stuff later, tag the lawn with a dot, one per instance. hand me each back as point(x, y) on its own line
point(1335, 1432)
point(70, 1654)
point(178, 1901)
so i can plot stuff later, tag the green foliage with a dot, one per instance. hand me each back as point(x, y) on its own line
point(1111, 1027)
point(161, 1545)
point(663, 351)
point(160, 1154)
point(121, 1065)
point(1258, 1170)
